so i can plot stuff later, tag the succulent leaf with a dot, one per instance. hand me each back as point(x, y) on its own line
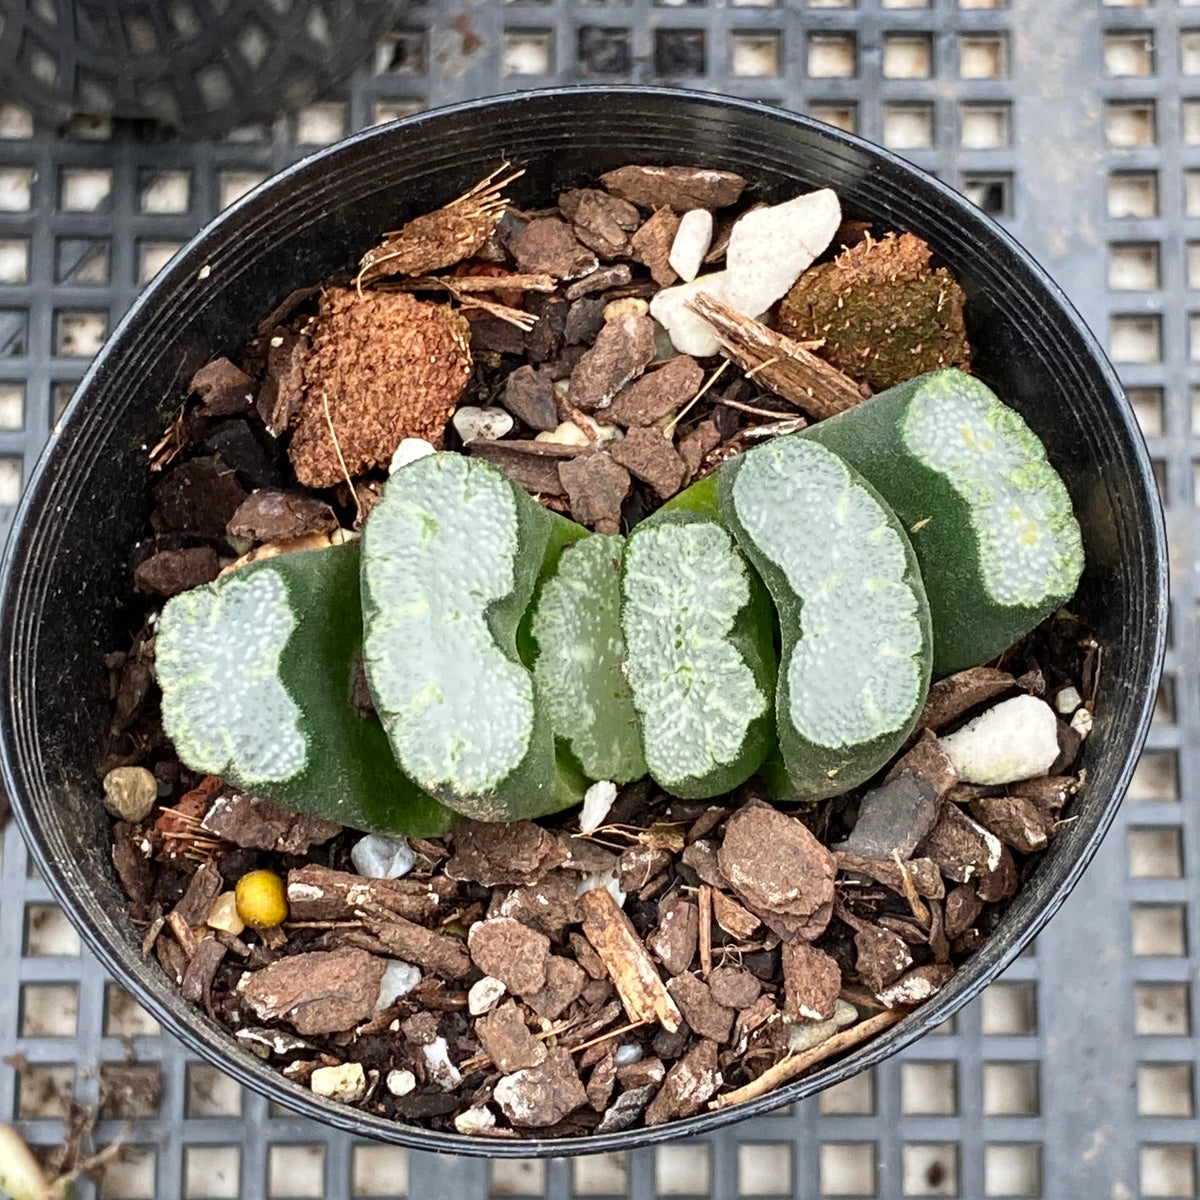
point(698, 632)
point(579, 668)
point(854, 623)
point(257, 675)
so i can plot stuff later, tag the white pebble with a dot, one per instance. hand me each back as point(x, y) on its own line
point(130, 793)
point(689, 333)
point(1068, 700)
point(399, 978)
point(484, 995)
point(627, 1054)
point(475, 1120)
point(597, 800)
point(610, 879)
point(400, 1083)
point(438, 1067)
point(770, 247)
point(378, 856)
point(409, 450)
point(1081, 722)
point(804, 1036)
point(566, 434)
point(346, 1083)
point(626, 306)
point(481, 424)
point(1016, 739)
point(692, 240)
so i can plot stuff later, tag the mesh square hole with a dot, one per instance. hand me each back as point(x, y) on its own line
point(44, 1091)
point(1164, 701)
point(680, 52)
point(14, 332)
point(320, 124)
point(983, 56)
point(16, 121)
point(124, 1017)
point(1161, 1009)
point(1133, 194)
point(1128, 53)
point(1012, 1170)
point(380, 1171)
point(14, 260)
point(852, 1097)
point(396, 110)
point(985, 126)
point(48, 932)
point(130, 1090)
point(604, 51)
point(1167, 1170)
point(212, 1172)
point(211, 1093)
point(1136, 338)
point(831, 3)
point(16, 189)
point(152, 257)
point(928, 1089)
point(525, 1177)
point(930, 1169)
point(233, 185)
point(907, 126)
point(82, 261)
point(840, 116)
point(907, 56)
point(906, 3)
point(297, 1171)
point(765, 1169)
point(1130, 123)
point(1134, 267)
point(1156, 777)
point(1009, 1010)
point(991, 194)
point(682, 1170)
point(1155, 852)
point(754, 54)
point(1010, 1089)
point(1159, 930)
point(1189, 116)
point(79, 334)
point(1191, 193)
point(164, 191)
point(600, 1174)
point(10, 480)
point(527, 52)
point(1189, 51)
point(130, 1175)
point(832, 56)
point(12, 405)
point(847, 1169)
point(402, 53)
point(1165, 1090)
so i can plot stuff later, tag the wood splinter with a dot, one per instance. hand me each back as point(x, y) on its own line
point(785, 366)
point(627, 961)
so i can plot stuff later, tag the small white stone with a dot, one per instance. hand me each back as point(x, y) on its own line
point(689, 333)
point(1068, 700)
point(601, 434)
point(379, 856)
point(409, 450)
point(610, 879)
point(204, 272)
point(1081, 722)
point(347, 1083)
point(438, 1067)
point(481, 424)
point(597, 800)
point(484, 995)
point(626, 306)
point(627, 1054)
point(224, 915)
point(475, 1120)
point(130, 793)
point(566, 434)
point(692, 240)
point(1016, 739)
point(770, 247)
point(399, 978)
point(400, 1083)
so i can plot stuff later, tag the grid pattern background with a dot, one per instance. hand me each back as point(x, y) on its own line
point(1076, 123)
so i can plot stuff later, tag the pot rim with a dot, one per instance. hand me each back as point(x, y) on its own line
point(119, 956)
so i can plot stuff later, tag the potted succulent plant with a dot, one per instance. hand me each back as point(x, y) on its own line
point(512, 658)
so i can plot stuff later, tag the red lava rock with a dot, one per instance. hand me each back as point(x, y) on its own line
point(545, 339)
point(1016, 821)
point(256, 824)
point(961, 847)
point(893, 818)
point(697, 444)
point(927, 761)
point(1049, 793)
point(737, 921)
point(601, 1081)
point(640, 864)
point(649, 456)
point(518, 852)
point(689, 1085)
point(657, 393)
point(549, 905)
point(962, 907)
point(596, 486)
point(626, 1109)
point(1001, 882)
point(601, 221)
point(646, 1072)
point(735, 987)
point(955, 695)
point(318, 992)
point(674, 941)
point(585, 319)
point(587, 957)
point(225, 389)
point(883, 956)
point(511, 952)
point(533, 465)
point(506, 1038)
point(652, 243)
point(705, 1015)
point(812, 980)
point(197, 497)
point(779, 870)
point(273, 515)
point(169, 572)
point(529, 396)
point(548, 246)
point(680, 188)
point(565, 981)
point(281, 394)
point(622, 350)
point(542, 1095)
point(701, 856)
point(614, 276)
point(919, 985)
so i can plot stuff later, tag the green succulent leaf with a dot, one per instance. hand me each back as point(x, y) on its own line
point(698, 632)
point(856, 650)
point(257, 674)
point(21, 1176)
point(990, 520)
point(451, 555)
point(579, 670)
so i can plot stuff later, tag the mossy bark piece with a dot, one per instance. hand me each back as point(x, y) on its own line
point(854, 624)
point(699, 638)
point(257, 673)
point(989, 518)
point(579, 670)
point(451, 555)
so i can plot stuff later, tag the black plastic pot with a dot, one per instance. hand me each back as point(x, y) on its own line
point(64, 571)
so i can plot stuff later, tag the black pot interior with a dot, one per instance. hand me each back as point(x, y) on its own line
point(65, 572)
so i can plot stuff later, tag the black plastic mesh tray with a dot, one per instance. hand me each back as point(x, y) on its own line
point(1076, 122)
